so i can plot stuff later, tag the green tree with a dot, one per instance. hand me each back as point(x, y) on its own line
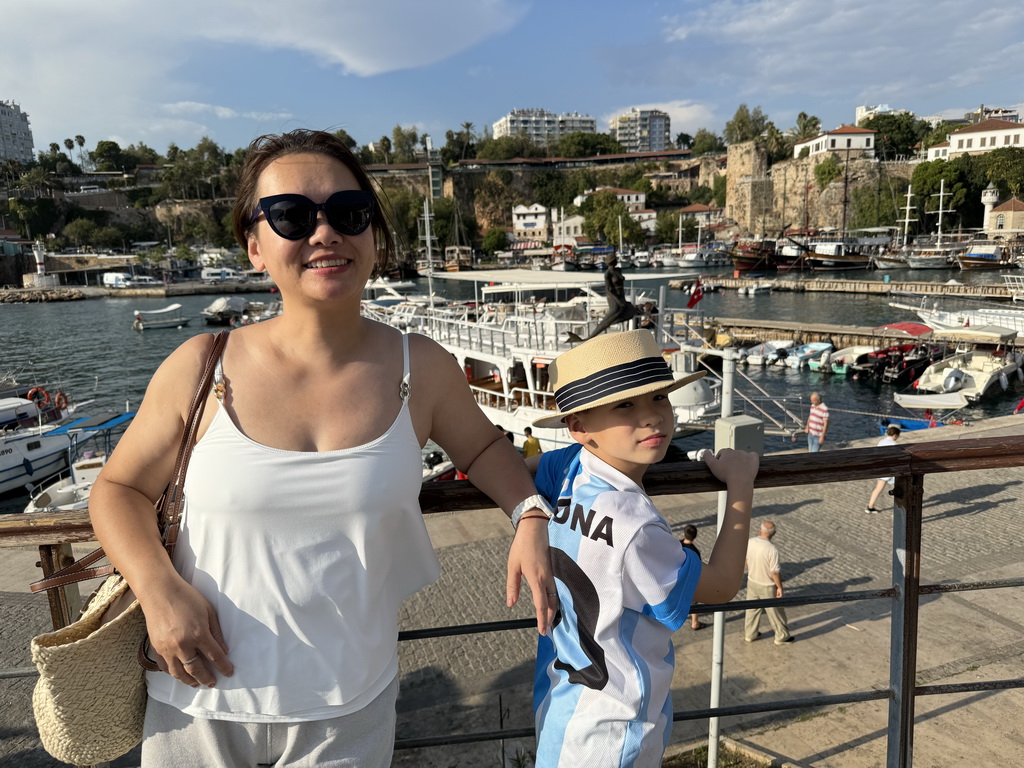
point(684, 141)
point(80, 232)
point(718, 190)
point(602, 211)
point(384, 148)
point(704, 141)
point(69, 144)
point(1005, 168)
point(467, 137)
point(827, 171)
point(342, 135)
point(702, 195)
point(404, 209)
point(495, 240)
point(807, 127)
point(666, 228)
point(403, 142)
point(896, 135)
point(108, 237)
point(580, 144)
point(107, 156)
point(938, 134)
point(508, 147)
point(777, 145)
point(551, 189)
point(877, 205)
point(745, 125)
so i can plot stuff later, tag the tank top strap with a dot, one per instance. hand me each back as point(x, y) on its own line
point(404, 390)
point(218, 378)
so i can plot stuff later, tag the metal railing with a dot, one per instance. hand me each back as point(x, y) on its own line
point(910, 464)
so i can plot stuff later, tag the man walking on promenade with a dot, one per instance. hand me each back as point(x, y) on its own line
point(817, 423)
point(763, 583)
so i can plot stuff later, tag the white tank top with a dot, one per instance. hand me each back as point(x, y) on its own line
point(306, 558)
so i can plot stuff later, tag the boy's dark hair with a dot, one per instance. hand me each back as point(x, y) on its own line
point(527, 431)
point(689, 532)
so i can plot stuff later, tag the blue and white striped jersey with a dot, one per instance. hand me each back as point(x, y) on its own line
point(602, 692)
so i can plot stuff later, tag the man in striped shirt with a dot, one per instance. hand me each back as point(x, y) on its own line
point(817, 423)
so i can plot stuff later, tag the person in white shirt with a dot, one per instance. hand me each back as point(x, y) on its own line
point(892, 434)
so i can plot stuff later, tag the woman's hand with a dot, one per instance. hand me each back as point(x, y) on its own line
point(185, 636)
point(529, 557)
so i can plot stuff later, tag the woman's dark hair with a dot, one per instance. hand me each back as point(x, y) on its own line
point(266, 149)
point(893, 431)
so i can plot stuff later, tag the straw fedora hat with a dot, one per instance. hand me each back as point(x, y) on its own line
point(607, 369)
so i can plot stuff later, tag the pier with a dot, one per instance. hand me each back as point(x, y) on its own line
point(986, 291)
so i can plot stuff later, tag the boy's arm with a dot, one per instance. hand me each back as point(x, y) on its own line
point(721, 577)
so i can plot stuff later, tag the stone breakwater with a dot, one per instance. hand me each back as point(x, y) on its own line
point(33, 295)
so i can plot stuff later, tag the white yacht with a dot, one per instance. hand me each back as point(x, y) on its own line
point(982, 359)
point(521, 321)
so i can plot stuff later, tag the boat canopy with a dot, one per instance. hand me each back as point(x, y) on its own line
point(172, 308)
point(941, 402)
point(906, 329)
point(982, 333)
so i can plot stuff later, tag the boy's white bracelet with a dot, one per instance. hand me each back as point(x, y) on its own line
point(537, 502)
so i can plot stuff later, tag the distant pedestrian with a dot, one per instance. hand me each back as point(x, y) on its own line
point(892, 434)
point(763, 583)
point(817, 423)
point(531, 445)
point(689, 534)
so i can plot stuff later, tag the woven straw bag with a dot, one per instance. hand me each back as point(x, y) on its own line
point(95, 656)
point(90, 700)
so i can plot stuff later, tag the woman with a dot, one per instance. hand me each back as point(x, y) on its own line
point(275, 627)
point(892, 434)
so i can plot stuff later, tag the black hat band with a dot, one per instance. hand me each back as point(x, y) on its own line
point(611, 381)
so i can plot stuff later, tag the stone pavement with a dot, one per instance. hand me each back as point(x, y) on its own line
point(827, 543)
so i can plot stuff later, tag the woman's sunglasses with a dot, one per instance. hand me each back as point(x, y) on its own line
point(293, 217)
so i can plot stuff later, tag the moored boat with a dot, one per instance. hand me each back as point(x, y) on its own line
point(168, 317)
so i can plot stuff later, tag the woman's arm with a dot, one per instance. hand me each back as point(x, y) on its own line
point(494, 466)
point(180, 621)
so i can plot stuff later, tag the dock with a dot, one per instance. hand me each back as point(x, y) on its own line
point(985, 291)
point(839, 336)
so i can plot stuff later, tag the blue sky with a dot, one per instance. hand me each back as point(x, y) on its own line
point(162, 72)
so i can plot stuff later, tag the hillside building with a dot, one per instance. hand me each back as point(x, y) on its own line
point(15, 134)
point(530, 223)
point(543, 127)
point(642, 130)
point(633, 200)
point(978, 138)
point(858, 141)
point(983, 113)
point(1006, 219)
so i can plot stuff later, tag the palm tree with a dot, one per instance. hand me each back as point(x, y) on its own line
point(467, 133)
point(80, 141)
point(54, 148)
point(807, 127)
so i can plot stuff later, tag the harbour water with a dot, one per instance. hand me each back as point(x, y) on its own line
point(89, 350)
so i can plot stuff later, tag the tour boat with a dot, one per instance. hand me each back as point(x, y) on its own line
point(168, 317)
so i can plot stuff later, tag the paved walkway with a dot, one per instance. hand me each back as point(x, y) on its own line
point(972, 531)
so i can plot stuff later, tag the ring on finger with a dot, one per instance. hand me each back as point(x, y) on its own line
point(193, 660)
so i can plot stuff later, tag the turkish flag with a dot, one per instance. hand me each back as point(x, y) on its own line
point(696, 294)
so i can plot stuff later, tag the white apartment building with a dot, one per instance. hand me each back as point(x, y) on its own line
point(566, 231)
point(633, 200)
point(530, 222)
point(867, 112)
point(543, 127)
point(858, 141)
point(646, 218)
point(15, 134)
point(979, 138)
point(643, 130)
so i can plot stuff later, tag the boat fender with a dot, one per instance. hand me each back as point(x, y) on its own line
point(60, 402)
point(1004, 382)
point(39, 396)
point(1020, 374)
point(1018, 358)
point(954, 381)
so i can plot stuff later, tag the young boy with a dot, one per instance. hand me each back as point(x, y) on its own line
point(602, 694)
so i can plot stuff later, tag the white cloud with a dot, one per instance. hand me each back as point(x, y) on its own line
point(116, 66)
point(685, 116)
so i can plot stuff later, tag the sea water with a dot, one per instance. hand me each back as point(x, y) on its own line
point(88, 350)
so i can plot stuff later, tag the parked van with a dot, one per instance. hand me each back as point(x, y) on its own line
point(116, 280)
point(220, 275)
point(141, 281)
point(90, 188)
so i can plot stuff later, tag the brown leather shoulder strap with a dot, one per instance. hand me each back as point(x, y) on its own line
point(173, 496)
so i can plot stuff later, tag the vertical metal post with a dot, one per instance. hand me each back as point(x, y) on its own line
point(718, 638)
point(906, 576)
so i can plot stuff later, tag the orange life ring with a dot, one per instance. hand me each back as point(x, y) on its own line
point(60, 402)
point(39, 396)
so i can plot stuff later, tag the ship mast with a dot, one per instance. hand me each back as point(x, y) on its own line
point(906, 216)
point(942, 194)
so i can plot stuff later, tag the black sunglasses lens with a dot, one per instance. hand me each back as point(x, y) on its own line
point(349, 218)
point(291, 218)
